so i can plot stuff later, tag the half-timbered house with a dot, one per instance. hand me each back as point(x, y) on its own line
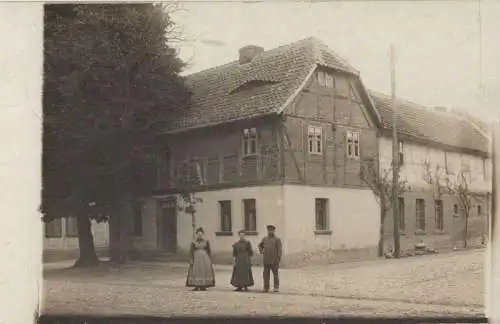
point(274, 137)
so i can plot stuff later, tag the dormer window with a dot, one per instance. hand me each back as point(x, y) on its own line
point(325, 79)
point(329, 81)
point(249, 141)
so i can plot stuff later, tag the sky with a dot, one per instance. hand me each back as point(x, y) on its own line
point(439, 57)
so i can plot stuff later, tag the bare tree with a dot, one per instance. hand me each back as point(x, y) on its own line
point(187, 182)
point(455, 184)
point(379, 180)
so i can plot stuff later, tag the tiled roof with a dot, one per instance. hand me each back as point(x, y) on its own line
point(220, 94)
point(429, 125)
point(483, 127)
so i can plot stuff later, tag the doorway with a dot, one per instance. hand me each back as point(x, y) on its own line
point(168, 225)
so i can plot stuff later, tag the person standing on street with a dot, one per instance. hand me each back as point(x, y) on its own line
point(271, 249)
point(201, 271)
point(242, 277)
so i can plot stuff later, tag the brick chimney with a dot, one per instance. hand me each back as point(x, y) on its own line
point(247, 53)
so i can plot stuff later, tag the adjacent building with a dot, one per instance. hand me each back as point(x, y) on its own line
point(61, 238)
point(445, 138)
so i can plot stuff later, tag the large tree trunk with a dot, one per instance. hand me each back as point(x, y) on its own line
point(88, 256)
point(466, 229)
point(126, 229)
point(114, 237)
point(381, 240)
point(121, 227)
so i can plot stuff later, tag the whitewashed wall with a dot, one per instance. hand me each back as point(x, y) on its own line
point(100, 231)
point(413, 169)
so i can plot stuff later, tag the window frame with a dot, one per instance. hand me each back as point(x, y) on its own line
point(49, 231)
point(353, 140)
point(250, 224)
point(329, 81)
point(315, 140)
point(401, 153)
point(321, 78)
point(225, 216)
point(420, 221)
point(250, 141)
point(485, 169)
point(321, 222)
point(439, 217)
point(69, 229)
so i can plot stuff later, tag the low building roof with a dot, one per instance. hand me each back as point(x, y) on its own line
point(430, 125)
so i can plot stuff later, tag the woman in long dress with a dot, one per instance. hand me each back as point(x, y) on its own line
point(201, 272)
point(242, 277)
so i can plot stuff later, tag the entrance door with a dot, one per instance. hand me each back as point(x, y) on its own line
point(168, 225)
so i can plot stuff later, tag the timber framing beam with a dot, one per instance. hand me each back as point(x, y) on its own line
point(287, 145)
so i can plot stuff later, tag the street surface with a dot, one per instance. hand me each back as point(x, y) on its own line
point(449, 284)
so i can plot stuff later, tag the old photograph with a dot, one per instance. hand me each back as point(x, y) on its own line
point(270, 158)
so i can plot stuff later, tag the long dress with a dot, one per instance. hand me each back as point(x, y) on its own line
point(242, 271)
point(201, 271)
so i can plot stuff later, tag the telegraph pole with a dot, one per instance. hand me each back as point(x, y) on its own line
point(395, 158)
point(492, 281)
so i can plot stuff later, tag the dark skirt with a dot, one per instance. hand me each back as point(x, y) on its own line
point(242, 273)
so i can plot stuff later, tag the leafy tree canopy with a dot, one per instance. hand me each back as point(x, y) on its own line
point(111, 81)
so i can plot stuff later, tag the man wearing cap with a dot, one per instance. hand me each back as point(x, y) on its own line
point(271, 249)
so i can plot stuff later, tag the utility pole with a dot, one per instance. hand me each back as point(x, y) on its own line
point(395, 158)
point(492, 281)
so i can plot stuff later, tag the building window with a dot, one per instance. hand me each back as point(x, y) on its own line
point(329, 83)
point(250, 215)
point(479, 210)
point(352, 95)
point(455, 210)
point(314, 137)
point(485, 169)
point(138, 219)
point(53, 229)
point(420, 214)
point(401, 154)
point(225, 216)
point(401, 204)
point(438, 214)
point(249, 141)
point(321, 208)
point(353, 144)
point(321, 78)
point(71, 226)
point(325, 79)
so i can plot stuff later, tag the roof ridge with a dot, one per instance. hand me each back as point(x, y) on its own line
point(400, 99)
point(235, 61)
point(319, 45)
point(423, 121)
point(316, 46)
